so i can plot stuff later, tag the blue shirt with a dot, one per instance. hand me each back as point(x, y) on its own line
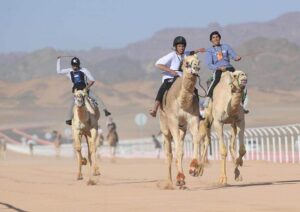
point(211, 58)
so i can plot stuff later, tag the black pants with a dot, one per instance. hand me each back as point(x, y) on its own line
point(166, 86)
point(163, 88)
point(216, 80)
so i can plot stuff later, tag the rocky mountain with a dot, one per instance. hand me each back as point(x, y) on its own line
point(270, 52)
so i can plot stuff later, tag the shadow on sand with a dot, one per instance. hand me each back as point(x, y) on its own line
point(283, 182)
point(12, 207)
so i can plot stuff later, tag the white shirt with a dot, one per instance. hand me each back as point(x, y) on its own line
point(67, 72)
point(172, 61)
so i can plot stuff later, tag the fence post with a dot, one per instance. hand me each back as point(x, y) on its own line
point(268, 143)
point(256, 146)
point(298, 140)
point(273, 144)
point(262, 142)
point(279, 143)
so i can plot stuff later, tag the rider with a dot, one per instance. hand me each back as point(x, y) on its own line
point(218, 60)
point(82, 79)
point(170, 65)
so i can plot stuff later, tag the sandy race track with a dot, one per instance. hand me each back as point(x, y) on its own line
point(48, 184)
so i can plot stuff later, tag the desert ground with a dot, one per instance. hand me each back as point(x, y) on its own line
point(49, 184)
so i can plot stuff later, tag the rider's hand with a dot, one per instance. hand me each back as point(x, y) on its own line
point(174, 73)
point(238, 58)
point(202, 50)
point(222, 68)
point(58, 57)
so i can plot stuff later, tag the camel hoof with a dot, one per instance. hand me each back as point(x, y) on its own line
point(223, 181)
point(237, 174)
point(239, 162)
point(180, 179)
point(90, 182)
point(83, 161)
point(96, 173)
point(180, 183)
point(79, 177)
point(168, 186)
point(194, 168)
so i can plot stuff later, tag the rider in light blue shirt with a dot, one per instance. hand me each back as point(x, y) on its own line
point(218, 60)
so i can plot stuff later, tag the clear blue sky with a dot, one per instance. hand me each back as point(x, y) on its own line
point(27, 25)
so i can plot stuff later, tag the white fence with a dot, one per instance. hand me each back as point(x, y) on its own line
point(279, 144)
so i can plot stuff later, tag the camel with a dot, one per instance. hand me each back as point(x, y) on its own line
point(178, 112)
point(85, 123)
point(226, 109)
point(112, 137)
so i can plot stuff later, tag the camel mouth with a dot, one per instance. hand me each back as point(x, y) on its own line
point(244, 82)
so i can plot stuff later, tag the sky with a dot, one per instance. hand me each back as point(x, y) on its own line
point(28, 25)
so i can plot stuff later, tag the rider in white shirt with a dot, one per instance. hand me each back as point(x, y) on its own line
point(82, 79)
point(170, 65)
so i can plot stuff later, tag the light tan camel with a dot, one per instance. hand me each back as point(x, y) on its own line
point(85, 123)
point(180, 111)
point(226, 108)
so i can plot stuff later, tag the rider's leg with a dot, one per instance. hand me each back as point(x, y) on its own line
point(216, 79)
point(245, 101)
point(160, 95)
point(100, 102)
point(70, 113)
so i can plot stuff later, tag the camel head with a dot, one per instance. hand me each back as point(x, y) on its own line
point(239, 80)
point(79, 97)
point(191, 65)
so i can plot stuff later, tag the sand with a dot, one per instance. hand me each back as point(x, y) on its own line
point(48, 184)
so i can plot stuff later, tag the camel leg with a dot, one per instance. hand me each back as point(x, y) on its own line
point(232, 146)
point(92, 145)
point(197, 136)
point(204, 149)
point(167, 139)
point(242, 149)
point(223, 150)
point(178, 135)
point(80, 159)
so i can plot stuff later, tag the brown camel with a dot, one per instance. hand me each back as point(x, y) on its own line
point(226, 108)
point(180, 111)
point(85, 123)
point(112, 137)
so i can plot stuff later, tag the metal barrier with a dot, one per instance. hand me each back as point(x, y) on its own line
point(279, 144)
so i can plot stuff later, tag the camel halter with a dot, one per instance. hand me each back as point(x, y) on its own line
point(235, 89)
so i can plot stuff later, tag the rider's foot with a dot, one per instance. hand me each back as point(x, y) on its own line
point(69, 122)
point(206, 102)
point(246, 111)
point(201, 118)
point(106, 112)
point(153, 111)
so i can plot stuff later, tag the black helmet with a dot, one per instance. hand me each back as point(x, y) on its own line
point(214, 33)
point(179, 40)
point(75, 62)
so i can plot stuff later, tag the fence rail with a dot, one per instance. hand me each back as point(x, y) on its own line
point(279, 144)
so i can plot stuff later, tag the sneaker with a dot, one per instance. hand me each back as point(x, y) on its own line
point(246, 111)
point(106, 112)
point(69, 122)
point(206, 102)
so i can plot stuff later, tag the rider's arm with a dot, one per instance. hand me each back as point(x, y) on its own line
point(233, 54)
point(165, 62)
point(209, 61)
point(202, 50)
point(91, 79)
point(61, 71)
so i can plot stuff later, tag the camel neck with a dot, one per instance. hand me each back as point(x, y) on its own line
point(186, 94)
point(82, 114)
